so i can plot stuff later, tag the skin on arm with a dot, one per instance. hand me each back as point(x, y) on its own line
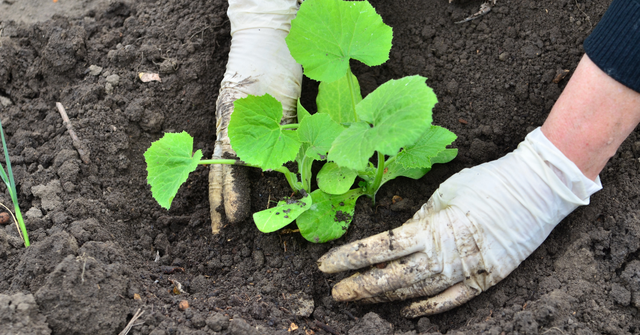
point(592, 117)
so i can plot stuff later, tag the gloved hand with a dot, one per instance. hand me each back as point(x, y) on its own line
point(474, 230)
point(259, 63)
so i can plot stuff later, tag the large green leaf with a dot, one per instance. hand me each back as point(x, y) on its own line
point(319, 131)
point(329, 217)
point(169, 162)
point(429, 145)
point(272, 219)
point(333, 179)
point(352, 148)
point(391, 117)
point(399, 111)
point(256, 135)
point(327, 33)
point(335, 98)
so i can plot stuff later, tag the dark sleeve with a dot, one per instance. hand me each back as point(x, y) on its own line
point(614, 45)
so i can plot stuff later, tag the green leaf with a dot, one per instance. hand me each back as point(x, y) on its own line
point(445, 156)
point(393, 116)
point(256, 135)
point(429, 145)
point(352, 148)
point(272, 219)
point(319, 131)
point(329, 216)
point(333, 179)
point(335, 99)
point(327, 33)
point(395, 170)
point(302, 112)
point(399, 111)
point(169, 162)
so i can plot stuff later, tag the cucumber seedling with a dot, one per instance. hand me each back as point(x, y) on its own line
point(392, 125)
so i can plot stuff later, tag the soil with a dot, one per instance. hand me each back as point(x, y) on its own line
point(102, 248)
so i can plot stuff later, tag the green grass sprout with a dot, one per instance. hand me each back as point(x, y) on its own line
point(7, 178)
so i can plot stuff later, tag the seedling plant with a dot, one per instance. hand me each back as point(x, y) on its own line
point(375, 139)
point(7, 178)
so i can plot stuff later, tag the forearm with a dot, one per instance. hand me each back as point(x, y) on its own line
point(592, 117)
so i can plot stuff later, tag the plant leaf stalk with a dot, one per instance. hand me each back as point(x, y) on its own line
point(373, 188)
point(352, 92)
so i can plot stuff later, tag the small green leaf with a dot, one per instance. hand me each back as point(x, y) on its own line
point(319, 131)
point(352, 148)
point(302, 112)
point(429, 145)
point(335, 99)
point(445, 156)
point(256, 135)
point(395, 170)
point(272, 219)
point(399, 111)
point(169, 162)
point(333, 179)
point(327, 33)
point(329, 216)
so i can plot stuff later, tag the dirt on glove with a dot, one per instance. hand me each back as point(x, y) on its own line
point(100, 241)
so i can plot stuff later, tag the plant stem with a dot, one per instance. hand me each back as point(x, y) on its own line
point(351, 91)
point(305, 173)
point(373, 189)
point(290, 126)
point(22, 225)
point(291, 178)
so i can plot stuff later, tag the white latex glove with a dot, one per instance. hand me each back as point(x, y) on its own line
point(474, 230)
point(259, 63)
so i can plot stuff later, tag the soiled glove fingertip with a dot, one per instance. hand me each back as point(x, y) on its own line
point(343, 292)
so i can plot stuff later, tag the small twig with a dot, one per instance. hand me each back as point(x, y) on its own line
point(326, 328)
point(350, 315)
point(76, 142)
point(131, 324)
point(14, 220)
point(84, 258)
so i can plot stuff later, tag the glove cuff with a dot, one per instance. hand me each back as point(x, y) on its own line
point(567, 172)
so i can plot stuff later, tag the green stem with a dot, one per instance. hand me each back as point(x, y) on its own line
point(351, 91)
point(373, 189)
point(291, 177)
point(305, 173)
point(23, 228)
point(290, 126)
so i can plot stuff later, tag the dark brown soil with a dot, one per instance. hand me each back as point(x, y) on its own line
point(96, 231)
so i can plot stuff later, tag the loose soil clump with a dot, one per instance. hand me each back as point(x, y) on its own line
point(102, 247)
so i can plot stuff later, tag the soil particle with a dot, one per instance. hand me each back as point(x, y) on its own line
point(41, 258)
point(19, 314)
point(620, 294)
point(371, 323)
point(238, 326)
point(88, 230)
point(80, 288)
point(217, 322)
